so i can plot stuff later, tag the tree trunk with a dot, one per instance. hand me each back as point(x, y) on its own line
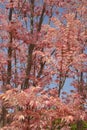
point(9, 50)
point(31, 46)
point(4, 112)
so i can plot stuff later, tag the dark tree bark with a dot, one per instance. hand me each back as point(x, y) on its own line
point(9, 49)
point(32, 46)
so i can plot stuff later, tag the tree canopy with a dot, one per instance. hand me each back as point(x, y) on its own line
point(43, 42)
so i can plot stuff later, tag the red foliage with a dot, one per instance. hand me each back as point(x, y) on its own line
point(42, 43)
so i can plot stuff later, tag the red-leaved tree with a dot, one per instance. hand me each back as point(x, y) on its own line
point(43, 43)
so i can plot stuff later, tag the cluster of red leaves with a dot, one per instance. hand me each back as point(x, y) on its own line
point(35, 109)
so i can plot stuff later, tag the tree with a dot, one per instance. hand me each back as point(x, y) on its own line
point(42, 42)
